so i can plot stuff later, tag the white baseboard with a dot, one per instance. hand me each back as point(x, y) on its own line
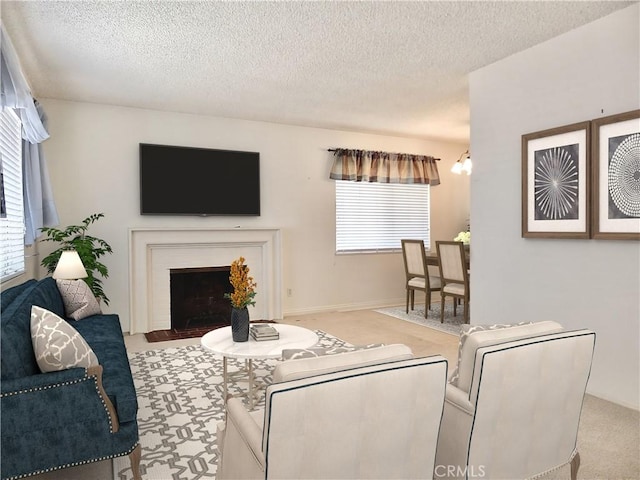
point(607, 397)
point(344, 307)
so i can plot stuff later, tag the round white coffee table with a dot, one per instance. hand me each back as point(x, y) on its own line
point(219, 341)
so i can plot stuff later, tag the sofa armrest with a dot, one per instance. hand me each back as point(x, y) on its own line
point(111, 410)
point(241, 456)
point(68, 395)
point(41, 381)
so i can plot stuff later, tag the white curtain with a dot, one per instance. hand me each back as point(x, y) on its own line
point(39, 207)
point(15, 93)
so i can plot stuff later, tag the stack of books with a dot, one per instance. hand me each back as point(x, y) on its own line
point(261, 332)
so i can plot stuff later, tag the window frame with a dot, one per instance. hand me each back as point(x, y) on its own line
point(12, 226)
point(362, 206)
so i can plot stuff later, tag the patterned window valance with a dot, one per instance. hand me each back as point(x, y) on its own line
point(384, 167)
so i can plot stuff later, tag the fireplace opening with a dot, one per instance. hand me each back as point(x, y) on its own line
point(197, 297)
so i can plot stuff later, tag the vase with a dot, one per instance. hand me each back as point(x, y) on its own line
point(240, 324)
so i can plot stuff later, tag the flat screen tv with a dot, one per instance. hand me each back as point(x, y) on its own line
point(198, 181)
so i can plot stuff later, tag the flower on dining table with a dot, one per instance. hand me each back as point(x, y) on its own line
point(243, 285)
point(464, 237)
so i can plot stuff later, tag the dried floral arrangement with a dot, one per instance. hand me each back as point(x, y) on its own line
point(243, 285)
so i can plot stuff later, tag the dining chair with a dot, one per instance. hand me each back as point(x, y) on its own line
point(417, 274)
point(453, 275)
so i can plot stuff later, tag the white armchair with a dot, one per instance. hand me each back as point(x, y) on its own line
point(513, 406)
point(371, 413)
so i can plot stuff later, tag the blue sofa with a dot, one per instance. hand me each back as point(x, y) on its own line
point(72, 417)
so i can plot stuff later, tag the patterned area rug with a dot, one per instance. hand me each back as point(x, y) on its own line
point(180, 403)
point(451, 324)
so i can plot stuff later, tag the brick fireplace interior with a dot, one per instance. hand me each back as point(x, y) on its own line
point(197, 297)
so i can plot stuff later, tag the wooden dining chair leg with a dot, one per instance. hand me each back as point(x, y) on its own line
point(408, 290)
point(427, 303)
point(442, 296)
point(455, 305)
point(466, 310)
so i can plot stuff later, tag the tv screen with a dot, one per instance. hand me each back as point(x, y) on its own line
point(198, 181)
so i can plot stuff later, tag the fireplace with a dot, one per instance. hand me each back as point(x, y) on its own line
point(154, 252)
point(198, 297)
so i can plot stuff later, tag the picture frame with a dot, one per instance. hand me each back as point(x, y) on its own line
point(556, 182)
point(616, 176)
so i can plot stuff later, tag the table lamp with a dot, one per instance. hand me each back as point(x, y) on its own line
point(69, 266)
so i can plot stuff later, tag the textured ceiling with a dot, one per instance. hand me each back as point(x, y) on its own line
point(392, 67)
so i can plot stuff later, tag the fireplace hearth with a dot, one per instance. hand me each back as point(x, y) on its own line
point(197, 297)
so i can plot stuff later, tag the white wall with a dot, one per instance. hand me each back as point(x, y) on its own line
point(93, 162)
point(588, 73)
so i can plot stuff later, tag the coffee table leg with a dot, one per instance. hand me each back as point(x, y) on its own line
point(224, 377)
point(251, 379)
point(251, 386)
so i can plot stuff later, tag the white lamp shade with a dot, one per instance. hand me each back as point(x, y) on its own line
point(466, 166)
point(457, 167)
point(69, 266)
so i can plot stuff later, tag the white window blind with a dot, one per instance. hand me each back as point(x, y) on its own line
point(372, 217)
point(12, 218)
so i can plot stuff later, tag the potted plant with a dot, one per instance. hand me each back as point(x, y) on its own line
point(89, 248)
point(241, 297)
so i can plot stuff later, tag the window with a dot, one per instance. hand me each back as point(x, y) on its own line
point(374, 217)
point(12, 217)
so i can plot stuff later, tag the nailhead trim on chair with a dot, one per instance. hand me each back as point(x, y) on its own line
point(74, 464)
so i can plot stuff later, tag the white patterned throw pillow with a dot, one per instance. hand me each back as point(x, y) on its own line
point(79, 301)
point(56, 344)
point(312, 352)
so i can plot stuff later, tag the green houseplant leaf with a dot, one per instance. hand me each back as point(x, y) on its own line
point(89, 248)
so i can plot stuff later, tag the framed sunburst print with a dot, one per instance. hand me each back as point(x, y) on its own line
point(616, 176)
point(555, 182)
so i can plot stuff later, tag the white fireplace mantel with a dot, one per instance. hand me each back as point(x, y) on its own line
point(153, 252)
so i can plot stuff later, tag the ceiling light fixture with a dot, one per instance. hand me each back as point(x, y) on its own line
point(463, 164)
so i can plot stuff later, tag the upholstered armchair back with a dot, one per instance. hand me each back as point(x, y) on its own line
point(531, 391)
point(366, 414)
point(521, 414)
point(378, 421)
point(475, 338)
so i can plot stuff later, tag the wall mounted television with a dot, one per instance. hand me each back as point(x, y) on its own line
point(198, 181)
